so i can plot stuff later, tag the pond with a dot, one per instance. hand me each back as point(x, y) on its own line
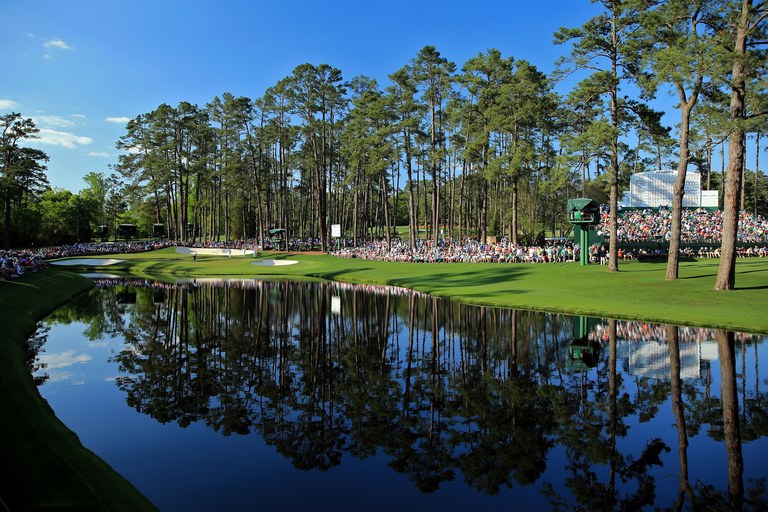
point(244, 394)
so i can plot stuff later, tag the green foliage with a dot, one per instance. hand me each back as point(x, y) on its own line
point(447, 147)
point(65, 217)
point(22, 171)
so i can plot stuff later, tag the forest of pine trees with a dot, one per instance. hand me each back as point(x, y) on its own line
point(489, 148)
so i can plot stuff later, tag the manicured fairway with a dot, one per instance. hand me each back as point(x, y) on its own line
point(45, 466)
point(638, 291)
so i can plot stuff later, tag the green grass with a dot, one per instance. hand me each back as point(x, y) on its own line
point(44, 465)
point(638, 292)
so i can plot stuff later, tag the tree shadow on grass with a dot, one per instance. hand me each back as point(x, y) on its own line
point(444, 278)
point(463, 279)
point(337, 275)
point(739, 272)
point(764, 287)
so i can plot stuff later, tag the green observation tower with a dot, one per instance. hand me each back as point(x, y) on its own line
point(583, 353)
point(584, 214)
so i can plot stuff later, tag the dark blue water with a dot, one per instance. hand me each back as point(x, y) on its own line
point(249, 394)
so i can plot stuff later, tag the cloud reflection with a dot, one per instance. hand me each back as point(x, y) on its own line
point(64, 359)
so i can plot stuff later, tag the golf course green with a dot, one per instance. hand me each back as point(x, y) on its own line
point(46, 466)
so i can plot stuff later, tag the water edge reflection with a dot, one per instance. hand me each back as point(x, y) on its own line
point(435, 389)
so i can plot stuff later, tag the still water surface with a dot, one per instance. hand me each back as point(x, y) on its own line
point(246, 394)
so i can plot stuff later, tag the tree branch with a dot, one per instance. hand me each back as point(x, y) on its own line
point(756, 114)
point(757, 22)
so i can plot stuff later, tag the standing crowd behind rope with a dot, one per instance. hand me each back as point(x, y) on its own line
point(634, 226)
point(640, 225)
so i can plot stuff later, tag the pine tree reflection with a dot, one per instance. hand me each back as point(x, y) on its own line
point(678, 408)
point(731, 430)
point(441, 389)
point(33, 346)
point(589, 433)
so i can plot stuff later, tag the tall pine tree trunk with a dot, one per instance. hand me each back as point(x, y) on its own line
point(757, 169)
point(483, 209)
point(513, 225)
point(726, 274)
point(413, 224)
point(731, 428)
point(678, 408)
point(673, 259)
point(613, 245)
point(435, 170)
point(355, 216)
point(7, 221)
point(385, 204)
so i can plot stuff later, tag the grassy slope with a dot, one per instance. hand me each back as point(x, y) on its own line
point(638, 291)
point(43, 463)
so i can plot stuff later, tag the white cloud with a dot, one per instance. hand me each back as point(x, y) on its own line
point(55, 121)
point(79, 116)
point(63, 139)
point(64, 359)
point(99, 154)
point(59, 376)
point(133, 150)
point(7, 104)
point(57, 43)
point(121, 120)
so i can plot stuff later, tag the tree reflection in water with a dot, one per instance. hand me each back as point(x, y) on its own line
point(439, 388)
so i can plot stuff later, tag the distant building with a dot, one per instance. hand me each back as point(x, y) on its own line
point(653, 189)
point(650, 358)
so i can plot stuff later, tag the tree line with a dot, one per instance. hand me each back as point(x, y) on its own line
point(488, 149)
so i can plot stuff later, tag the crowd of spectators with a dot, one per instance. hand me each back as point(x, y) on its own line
point(641, 225)
point(699, 225)
point(471, 251)
point(645, 225)
point(644, 331)
point(294, 244)
point(249, 244)
point(92, 248)
point(461, 251)
point(17, 263)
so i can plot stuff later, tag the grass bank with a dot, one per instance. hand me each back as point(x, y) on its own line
point(638, 292)
point(44, 465)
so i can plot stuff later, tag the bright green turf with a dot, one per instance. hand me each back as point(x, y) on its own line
point(44, 465)
point(638, 291)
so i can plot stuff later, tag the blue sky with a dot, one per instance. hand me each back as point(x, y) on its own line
point(82, 68)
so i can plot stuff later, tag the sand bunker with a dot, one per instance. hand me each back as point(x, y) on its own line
point(89, 262)
point(274, 263)
point(214, 251)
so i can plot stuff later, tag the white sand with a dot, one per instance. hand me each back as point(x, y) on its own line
point(274, 263)
point(214, 251)
point(90, 262)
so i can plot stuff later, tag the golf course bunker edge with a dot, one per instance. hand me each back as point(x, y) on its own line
point(90, 262)
point(274, 263)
